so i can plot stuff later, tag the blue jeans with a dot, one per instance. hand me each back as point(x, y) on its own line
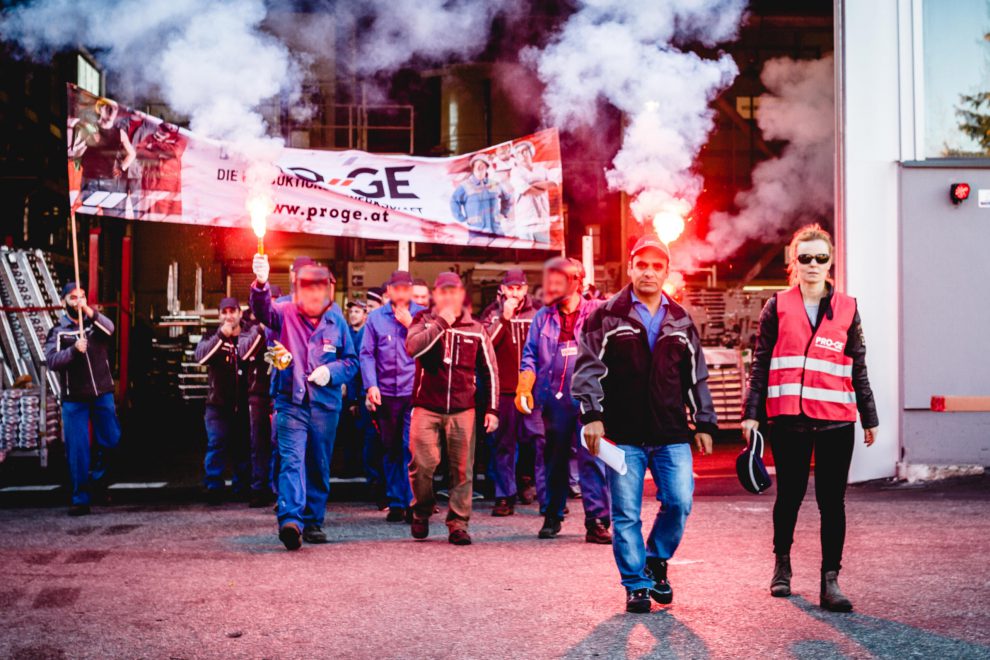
point(76, 418)
point(393, 423)
point(227, 441)
point(560, 419)
point(672, 470)
point(305, 445)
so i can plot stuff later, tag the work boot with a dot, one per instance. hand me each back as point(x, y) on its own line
point(459, 537)
point(832, 599)
point(597, 532)
point(290, 537)
point(527, 491)
point(314, 534)
point(396, 514)
point(638, 601)
point(661, 591)
point(77, 510)
point(504, 506)
point(550, 529)
point(420, 527)
point(780, 584)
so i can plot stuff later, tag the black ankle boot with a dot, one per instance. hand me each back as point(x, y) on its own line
point(780, 584)
point(832, 599)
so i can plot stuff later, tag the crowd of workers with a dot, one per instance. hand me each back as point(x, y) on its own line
point(420, 382)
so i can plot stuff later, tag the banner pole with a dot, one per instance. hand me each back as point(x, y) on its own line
point(404, 255)
point(75, 260)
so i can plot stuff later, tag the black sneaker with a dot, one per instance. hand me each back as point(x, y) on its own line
point(597, 532)
point(503, 507)
point(396, 514)
point(419, 527)
point(290, 537)
point(459, 537)
point(550, 529)
point(77, 510)
point(638, 601)
point(314, 534)
point(661, 591)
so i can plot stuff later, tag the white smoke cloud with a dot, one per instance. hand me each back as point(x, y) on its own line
point(628, 54)
point(797, 187)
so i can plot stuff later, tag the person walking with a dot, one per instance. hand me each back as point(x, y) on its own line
point(388, 372)
point(449, 347)
point(809, 380)
point(80, 356)
point(639, 370)
point(544, 386)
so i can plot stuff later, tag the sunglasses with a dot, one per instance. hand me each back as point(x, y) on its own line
point(808, 258)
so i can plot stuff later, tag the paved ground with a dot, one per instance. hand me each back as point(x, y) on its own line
point(184, 581)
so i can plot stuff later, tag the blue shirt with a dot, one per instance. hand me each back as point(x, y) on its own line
point(653, 322)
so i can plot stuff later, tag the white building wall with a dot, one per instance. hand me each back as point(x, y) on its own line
point(869, 141)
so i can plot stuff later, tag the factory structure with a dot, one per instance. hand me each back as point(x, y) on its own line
point(911, 206)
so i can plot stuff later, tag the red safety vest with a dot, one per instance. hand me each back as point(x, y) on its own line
point(810, 372)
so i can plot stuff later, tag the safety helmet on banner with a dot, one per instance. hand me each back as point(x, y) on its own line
point(750, 469)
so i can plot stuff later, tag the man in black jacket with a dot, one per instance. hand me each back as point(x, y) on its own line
point(226, 404)
point(639, 368)
point(81, 359)
point(449, 347)
point(251, 348)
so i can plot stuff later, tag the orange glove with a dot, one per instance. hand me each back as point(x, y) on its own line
point(524, 392)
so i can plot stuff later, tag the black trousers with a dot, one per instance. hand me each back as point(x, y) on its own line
point(792, 451)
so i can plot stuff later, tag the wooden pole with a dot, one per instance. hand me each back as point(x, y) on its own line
point(75, 262)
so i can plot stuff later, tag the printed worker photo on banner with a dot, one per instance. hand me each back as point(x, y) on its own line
point(508, 192)
point(123, 159)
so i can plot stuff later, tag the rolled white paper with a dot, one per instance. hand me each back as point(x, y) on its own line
point(610, 454)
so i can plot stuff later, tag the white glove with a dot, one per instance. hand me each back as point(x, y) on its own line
point(320, 375)
point(261, 268)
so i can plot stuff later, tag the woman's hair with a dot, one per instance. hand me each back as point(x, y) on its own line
point(812, 232)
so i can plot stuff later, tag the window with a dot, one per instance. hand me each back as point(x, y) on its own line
point(88, 76)
point(956, 59)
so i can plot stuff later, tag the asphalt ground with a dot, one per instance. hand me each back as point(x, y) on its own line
point(158, 578)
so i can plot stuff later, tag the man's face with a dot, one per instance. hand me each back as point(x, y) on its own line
point(230, 315)
point(400, 294)
point(450, 297)
point(648, 271)
point(525, 157)
point(421, 295)
point(479, 169)
point(313, 297)
point(555, 286)
point(356, 316)
point(517, 291)
point(76, 299)
point(373, 305)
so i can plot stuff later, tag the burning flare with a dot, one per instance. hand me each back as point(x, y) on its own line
point(668, 225)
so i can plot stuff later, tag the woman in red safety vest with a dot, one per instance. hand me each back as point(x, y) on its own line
point(809, 380)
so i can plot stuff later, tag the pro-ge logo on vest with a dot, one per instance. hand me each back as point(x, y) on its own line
point(829, 344)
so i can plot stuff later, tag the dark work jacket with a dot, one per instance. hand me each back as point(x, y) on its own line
point(448, 358)
point(251, 346)
point(642, 396)
point(227, 380)
point(508, 338)
point(83, 376)
point(755, 406)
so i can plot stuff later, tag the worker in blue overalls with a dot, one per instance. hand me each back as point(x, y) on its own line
point(388, 372)
point(308, 395)
point(548, 364)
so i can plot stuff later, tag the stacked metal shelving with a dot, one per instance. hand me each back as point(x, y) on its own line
point(29, 417)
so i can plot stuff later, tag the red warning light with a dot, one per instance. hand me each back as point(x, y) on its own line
point(959, 192)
